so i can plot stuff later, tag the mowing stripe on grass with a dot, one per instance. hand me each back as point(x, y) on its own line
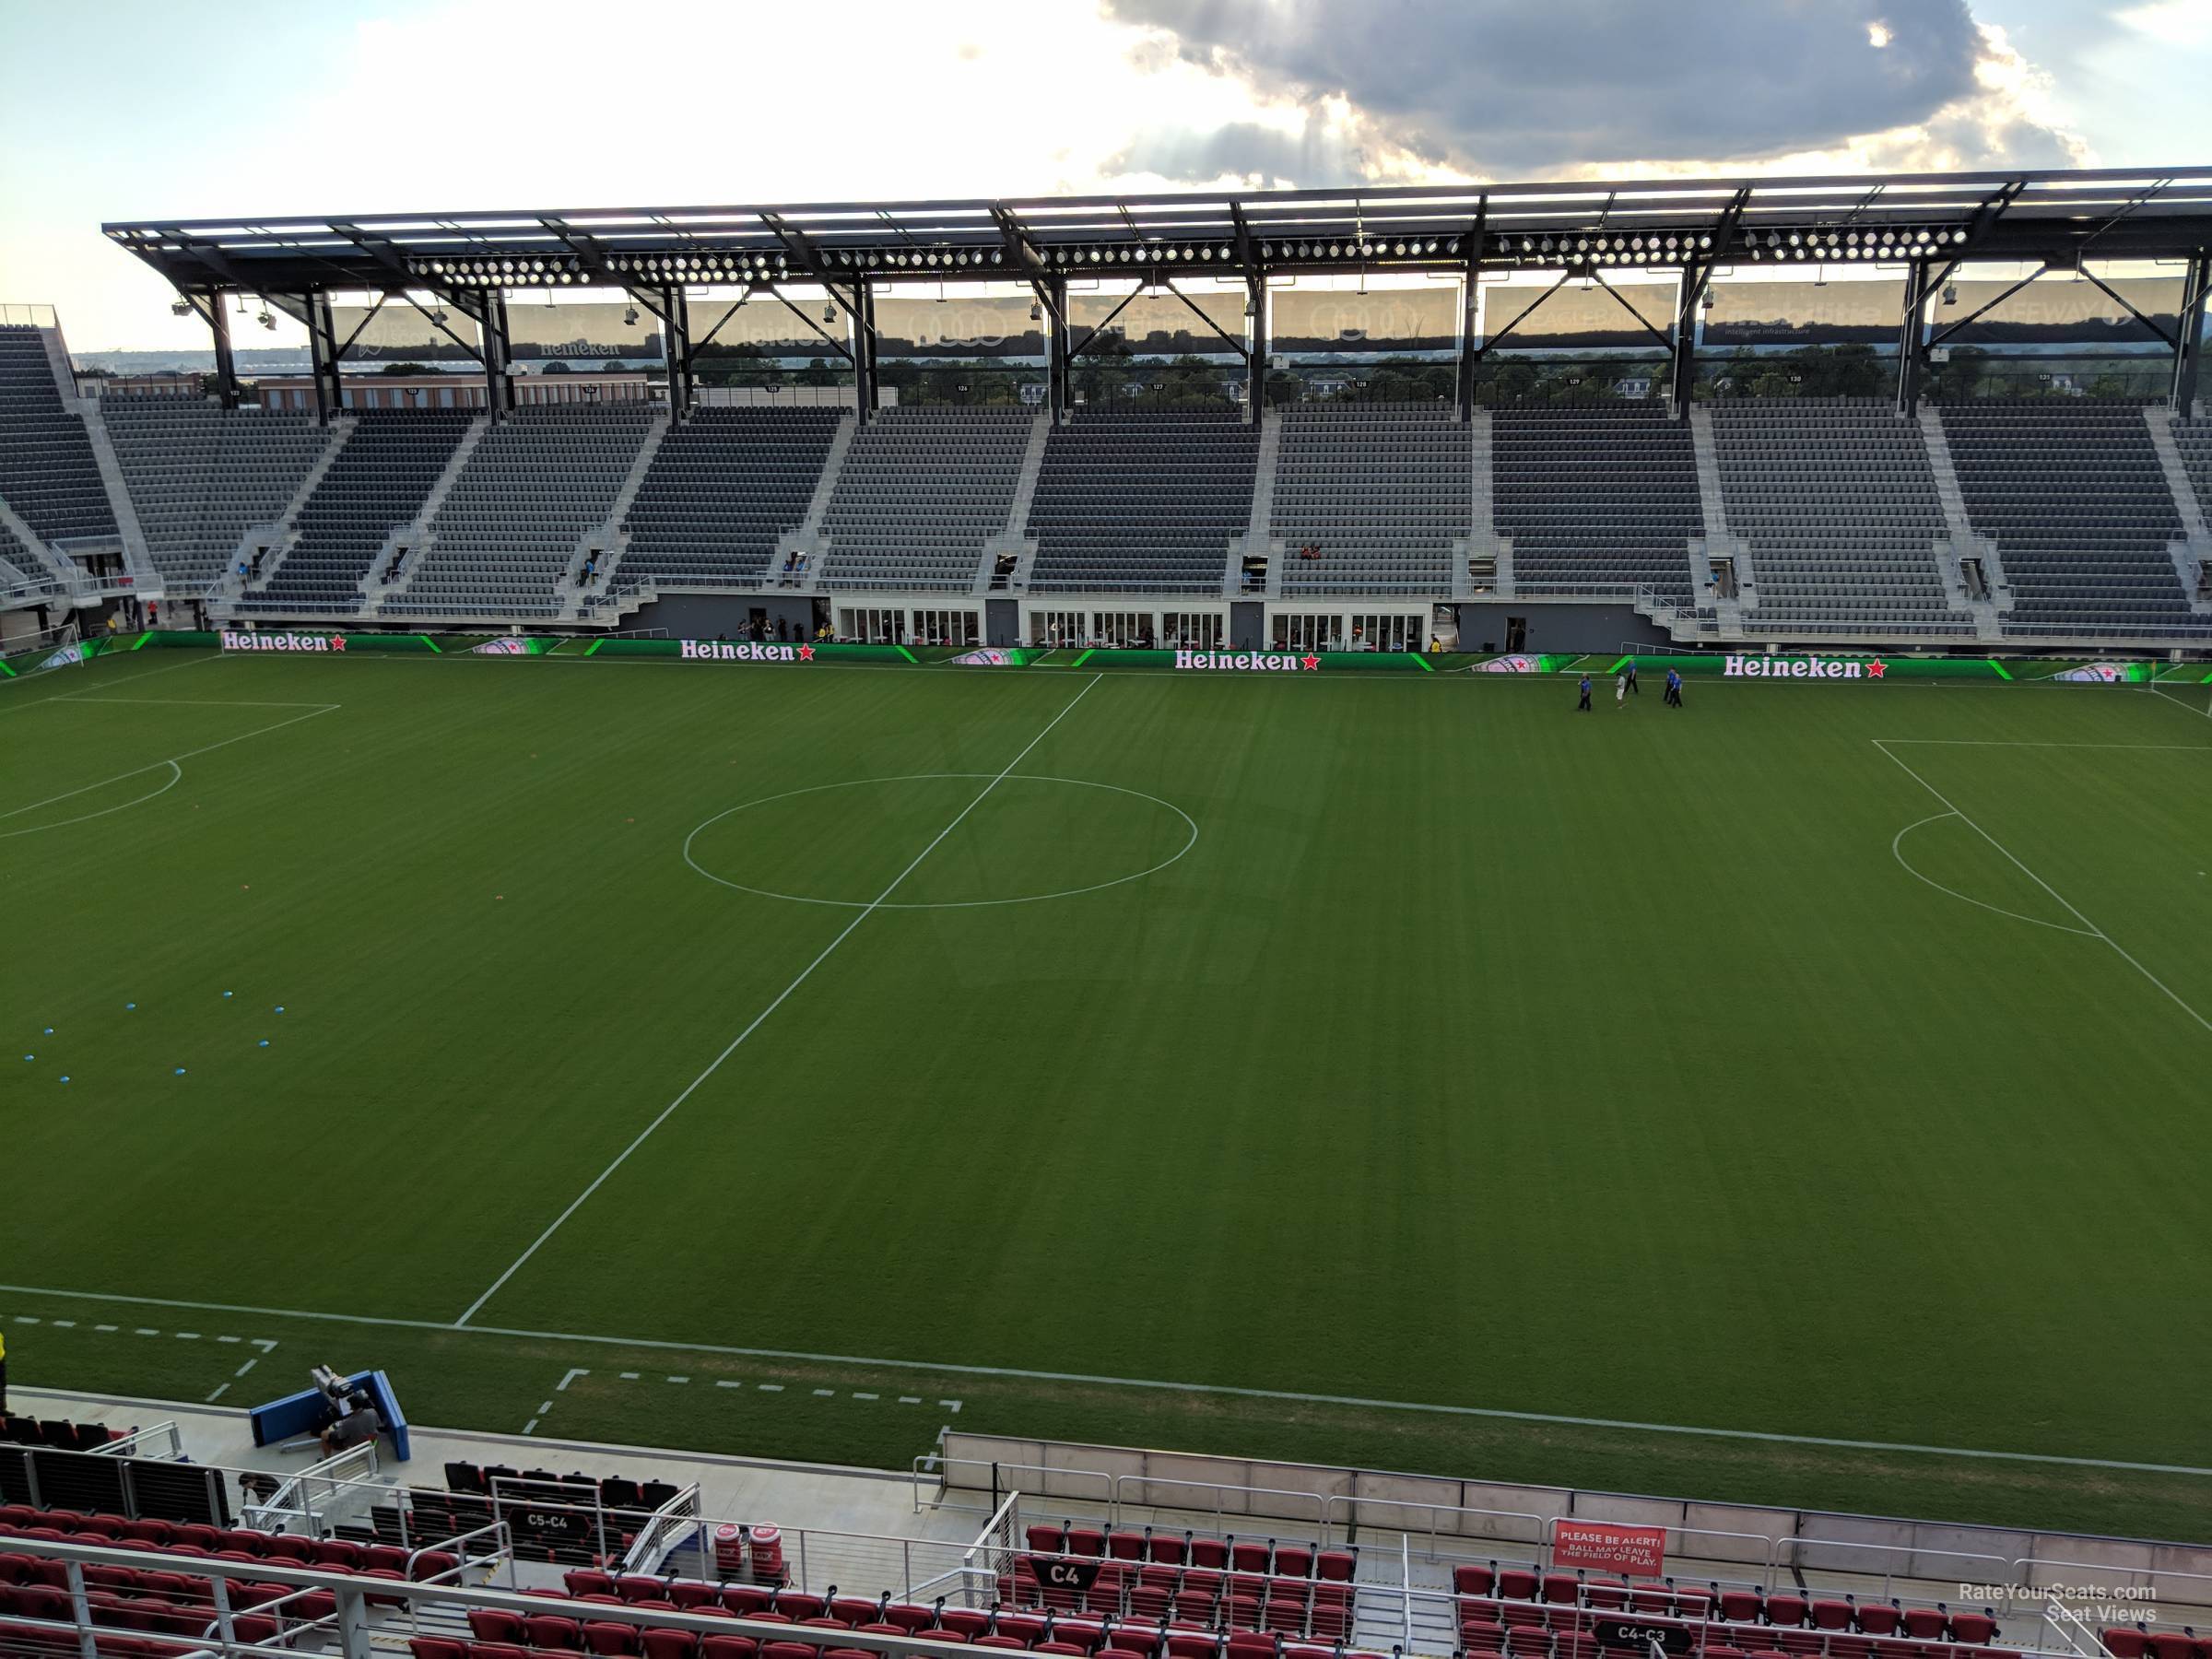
point(25, 700)
point(151, 765)
point(736, 1043)
point(2122, 950)
point(1022, 1375)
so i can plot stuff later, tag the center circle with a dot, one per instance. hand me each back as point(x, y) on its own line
point(888, 833)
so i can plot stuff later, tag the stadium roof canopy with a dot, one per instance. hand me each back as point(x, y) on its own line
point(2058, 218)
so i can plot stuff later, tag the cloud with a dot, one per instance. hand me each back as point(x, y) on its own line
point(2172, 22)
point(1476, 87)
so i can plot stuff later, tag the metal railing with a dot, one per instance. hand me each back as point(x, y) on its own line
point(661, 1532)
point(29, 316)
point(156, 1440)
point(317, 1498)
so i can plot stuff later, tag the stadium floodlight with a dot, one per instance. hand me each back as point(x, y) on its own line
point(1957, 235)
point(629, 316)
point(263, 317)
point(1950, 293)
point(1451, 246)
point(179, 307)
point(1036, 311)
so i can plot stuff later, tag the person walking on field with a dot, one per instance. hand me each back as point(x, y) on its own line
point(1635, 684)
point(1620, 690)
point(1674, 689)
point(1584, 707)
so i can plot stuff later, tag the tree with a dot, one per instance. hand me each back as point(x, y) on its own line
point(406, 369)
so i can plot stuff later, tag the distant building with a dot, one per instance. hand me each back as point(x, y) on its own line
point(179, 383)
point(462, 391)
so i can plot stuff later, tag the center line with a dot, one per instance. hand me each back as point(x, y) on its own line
point(782, 996)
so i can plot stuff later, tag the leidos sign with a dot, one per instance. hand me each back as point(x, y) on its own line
point(1246, 662)
point(727, 651)
point(266, 641)
point(1806, 667)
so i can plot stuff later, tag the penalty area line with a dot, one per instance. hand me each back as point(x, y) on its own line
point(172, 760)
point(1233, 1391)
point(2119, 949)
point(804, 973)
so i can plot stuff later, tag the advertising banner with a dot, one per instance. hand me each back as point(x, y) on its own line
point(1602, 1547)
point(1253, 662)
point(318, 642)
point(751, 651)
point(1815, 665)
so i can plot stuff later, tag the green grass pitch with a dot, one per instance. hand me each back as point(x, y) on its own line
point(1827, 1063)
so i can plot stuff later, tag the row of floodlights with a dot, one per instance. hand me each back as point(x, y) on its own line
point(1791, 244)
point(523, 271)
point(1887, 243)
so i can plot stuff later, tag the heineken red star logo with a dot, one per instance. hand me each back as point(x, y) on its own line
point(1309, 660)
point(1877, 667)
point(337, 641)
point(805, 654)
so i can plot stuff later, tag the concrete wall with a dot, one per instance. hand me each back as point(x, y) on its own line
point(1495, 1514)
point(1556, 627)
point(714, 616)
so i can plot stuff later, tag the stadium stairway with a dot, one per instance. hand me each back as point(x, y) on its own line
point(514, 515)
point(1835, 502)
point(923, 494)
point(2074, 493)
point(1148, 1583)
point(1368, 499)
point(374, 489)
point(200, 477)
point(1600, 498)
point(724, 486)
point(50, 476)
point(2191, 554)
point(1131, 499)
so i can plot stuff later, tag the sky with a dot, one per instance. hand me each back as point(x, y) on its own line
point(133, 109)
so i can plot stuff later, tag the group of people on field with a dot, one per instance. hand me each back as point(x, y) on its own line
point(1625, 682)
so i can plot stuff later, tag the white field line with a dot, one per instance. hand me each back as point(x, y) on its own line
point(1897, 851)
point(736, 1043)
point(2018, 743)
point(2205, 711)
point(187, 703)
point(1018, 1374)
point(172, 760)
point(27, 702)
point(2118, 948)
point(176, 776)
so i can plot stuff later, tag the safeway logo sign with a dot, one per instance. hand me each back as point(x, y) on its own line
point(1246, 662)
point(1805, 667)
point(262, 639)
point(729, 651)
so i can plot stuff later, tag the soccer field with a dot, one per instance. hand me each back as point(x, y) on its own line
point(1823, 1066)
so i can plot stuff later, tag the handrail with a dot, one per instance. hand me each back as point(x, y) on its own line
point(134, 1444)
point(681, 1510)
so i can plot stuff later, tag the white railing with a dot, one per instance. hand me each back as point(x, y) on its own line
point(157, 1439)
point(314, 1501)
point(659, 1535)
